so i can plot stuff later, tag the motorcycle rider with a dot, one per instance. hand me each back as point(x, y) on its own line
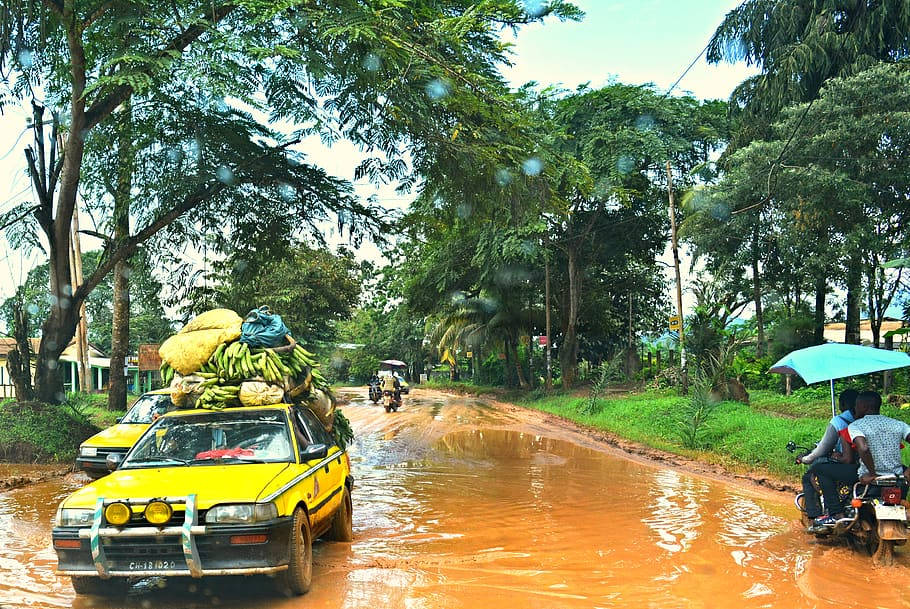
point(829, 449)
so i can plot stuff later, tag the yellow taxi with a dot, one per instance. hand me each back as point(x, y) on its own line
point(117, 439)
point(239, 491)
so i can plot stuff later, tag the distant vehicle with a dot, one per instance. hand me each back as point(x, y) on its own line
point(119, 438)
point(239, 491)
point(405, 388)
point(374, 392)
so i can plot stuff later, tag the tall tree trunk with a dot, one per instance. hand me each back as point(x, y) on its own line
point(757, 293)
point(522, 381)
point(120, 333)
point(871, 297)
point(19, 360)
point(854, 295)
point(60, 326)
point(507, 370)
point(821, 292)
point(568, 354)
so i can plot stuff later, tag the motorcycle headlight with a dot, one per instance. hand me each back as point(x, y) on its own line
point(241, 513)
point(68, 517)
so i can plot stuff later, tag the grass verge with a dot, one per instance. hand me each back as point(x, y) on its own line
point(33, 432)
point(740, 437)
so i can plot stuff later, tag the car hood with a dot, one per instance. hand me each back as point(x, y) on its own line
point(122, 435)
point(212, 484)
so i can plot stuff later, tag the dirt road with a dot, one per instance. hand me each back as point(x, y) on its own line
point(463, 504)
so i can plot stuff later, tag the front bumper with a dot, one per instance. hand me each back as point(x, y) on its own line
point(188, 550)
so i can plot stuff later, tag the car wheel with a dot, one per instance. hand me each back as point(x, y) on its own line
point(343, 522)
point(95, 586)
point(299, 574)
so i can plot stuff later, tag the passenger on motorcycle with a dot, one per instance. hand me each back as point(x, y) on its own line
point(391, 383)
point(830, 475)
point(829, 449)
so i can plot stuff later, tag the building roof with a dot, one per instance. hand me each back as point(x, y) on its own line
point(8, 344)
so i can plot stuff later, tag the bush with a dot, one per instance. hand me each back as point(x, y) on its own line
point(694, 417)
point(36, 432)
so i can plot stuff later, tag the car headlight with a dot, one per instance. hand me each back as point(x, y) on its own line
point(71, 517)
point(88, 451)
point(241, 513)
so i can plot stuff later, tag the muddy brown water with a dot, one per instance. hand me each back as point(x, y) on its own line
point(463, 504)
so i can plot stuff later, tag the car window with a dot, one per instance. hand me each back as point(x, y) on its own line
point(146, 406)
point(217, 437)
point(315, 429)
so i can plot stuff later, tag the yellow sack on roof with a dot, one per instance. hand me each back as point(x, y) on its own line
point(190, 348)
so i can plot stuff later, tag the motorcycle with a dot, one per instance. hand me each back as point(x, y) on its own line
point(374, 392)
point(390, 401)
point(875, 520)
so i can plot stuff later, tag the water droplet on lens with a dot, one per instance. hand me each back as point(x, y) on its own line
point(532, 166)
point(372, 62)
point(503, 177)
point(241, 265)
point(287, 192)
point(64, 303)
point(51, 344)
point(26, 58)
point(67, 289)
point(221, 106)
point(645, 122)
point(535, 8)
point(463, 210)
point(720, 211)
point(51, 299)
point(51, 364)
point(437, 89)
point(225, 175)
point(625, 164)
point(126, 273)
point(32, 309)
point(60, 396)
point(174, 155)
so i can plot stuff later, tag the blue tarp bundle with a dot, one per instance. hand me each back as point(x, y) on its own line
point(262, 328)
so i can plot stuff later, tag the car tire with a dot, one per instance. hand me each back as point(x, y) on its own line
point(95, 586)
point(299, 574)
point(343, 522)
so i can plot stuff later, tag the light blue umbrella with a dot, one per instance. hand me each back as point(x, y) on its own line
point(837, 360)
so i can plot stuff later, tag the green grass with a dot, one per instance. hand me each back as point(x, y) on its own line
point(737, 435)
point(462, 386)
point(33, 432)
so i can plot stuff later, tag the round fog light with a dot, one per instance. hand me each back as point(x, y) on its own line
point(118, 514)
point(158, 512)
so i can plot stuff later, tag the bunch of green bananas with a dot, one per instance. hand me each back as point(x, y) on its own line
point(167, 374)
point(217, 397)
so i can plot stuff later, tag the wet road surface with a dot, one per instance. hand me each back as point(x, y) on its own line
point(460, 504)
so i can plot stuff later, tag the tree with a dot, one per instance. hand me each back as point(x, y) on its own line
point(313, 290)
point(622, 135)
point(800, 44)
point(366, 71)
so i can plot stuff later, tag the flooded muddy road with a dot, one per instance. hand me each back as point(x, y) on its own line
point(463, 504)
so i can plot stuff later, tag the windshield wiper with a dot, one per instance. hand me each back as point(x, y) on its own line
point(229, 458)
point(159, 459)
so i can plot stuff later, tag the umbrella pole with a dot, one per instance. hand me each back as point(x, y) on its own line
point(833, 413)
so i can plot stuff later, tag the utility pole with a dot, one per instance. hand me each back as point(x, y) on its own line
point(682, 340)
point(546, 272)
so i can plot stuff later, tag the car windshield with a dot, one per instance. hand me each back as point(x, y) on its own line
point(146, 406)
point(214, 438)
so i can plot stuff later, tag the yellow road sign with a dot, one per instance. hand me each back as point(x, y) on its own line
point(675, 323)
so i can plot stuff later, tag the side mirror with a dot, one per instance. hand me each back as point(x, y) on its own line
point(113, 461)
point(314, 451)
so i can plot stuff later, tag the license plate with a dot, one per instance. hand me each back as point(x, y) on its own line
point(890, 512)
point(152, 565)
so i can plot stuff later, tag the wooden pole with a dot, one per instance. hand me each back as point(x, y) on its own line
point(546, 270)
point(679, 308)
point(82, 331)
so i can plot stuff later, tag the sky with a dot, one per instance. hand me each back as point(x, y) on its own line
point(630, 41)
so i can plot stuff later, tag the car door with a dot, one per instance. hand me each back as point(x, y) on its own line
point(327, 481)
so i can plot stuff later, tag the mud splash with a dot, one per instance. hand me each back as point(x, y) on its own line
point(462, 504)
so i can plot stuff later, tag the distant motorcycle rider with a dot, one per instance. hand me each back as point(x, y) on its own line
point(391, 383)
